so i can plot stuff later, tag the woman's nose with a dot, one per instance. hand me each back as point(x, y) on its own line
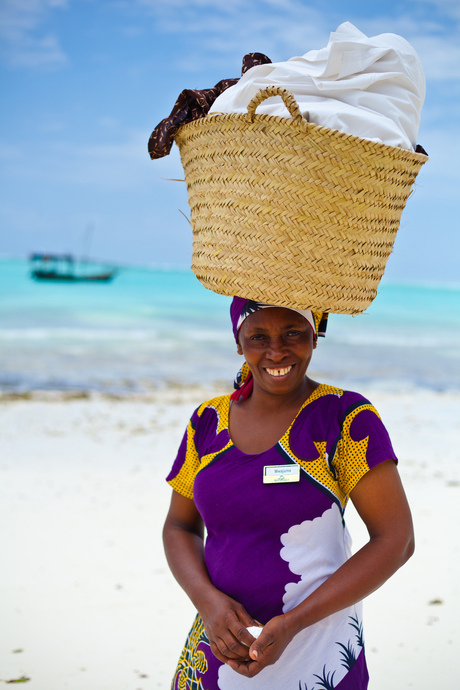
point(276, 349)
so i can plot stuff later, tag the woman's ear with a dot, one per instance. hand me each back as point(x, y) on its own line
point(239, 349)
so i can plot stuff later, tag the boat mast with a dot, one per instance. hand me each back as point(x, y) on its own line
point(87, 242)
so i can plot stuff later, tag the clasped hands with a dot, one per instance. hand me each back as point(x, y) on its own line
point(226, 622)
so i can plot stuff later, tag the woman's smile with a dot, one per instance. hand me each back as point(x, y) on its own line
point(279, 372)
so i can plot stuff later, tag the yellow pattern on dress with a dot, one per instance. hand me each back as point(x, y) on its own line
point(183, 481)
point(192, 660)
point(350, 460)
point(320, 471)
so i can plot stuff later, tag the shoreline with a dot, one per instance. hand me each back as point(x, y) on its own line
point(85, 589)
point(149, 392)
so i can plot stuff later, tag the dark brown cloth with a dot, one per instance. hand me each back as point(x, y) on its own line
point(191, 105)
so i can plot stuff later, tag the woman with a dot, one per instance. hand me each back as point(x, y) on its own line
point(268, 471)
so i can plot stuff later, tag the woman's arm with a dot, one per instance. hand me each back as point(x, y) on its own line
point(381, 502)
point(225, 620)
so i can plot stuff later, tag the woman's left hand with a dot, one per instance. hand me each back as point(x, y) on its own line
point(267, 649)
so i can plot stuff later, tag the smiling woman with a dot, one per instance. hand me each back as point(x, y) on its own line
point(268, 472)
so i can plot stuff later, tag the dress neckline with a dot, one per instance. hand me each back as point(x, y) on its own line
point(320, 390)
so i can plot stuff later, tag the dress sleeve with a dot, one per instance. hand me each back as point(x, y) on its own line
point(364, 443)
point(187, 461)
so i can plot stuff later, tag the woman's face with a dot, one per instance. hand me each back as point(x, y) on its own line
point(277, 345)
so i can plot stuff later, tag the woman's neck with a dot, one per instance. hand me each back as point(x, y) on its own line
point(271, 403)
point(257, 423)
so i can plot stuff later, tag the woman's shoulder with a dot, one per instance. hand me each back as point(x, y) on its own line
point(212, 411)
point(218, 403)
point(326, 393)
point(209, 420)
point(328, 402)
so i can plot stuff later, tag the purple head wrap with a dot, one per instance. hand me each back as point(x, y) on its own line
point(241, 308)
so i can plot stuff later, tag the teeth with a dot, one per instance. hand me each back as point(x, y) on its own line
point(279, 372)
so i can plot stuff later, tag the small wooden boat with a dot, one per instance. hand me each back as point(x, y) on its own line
point(64, 268)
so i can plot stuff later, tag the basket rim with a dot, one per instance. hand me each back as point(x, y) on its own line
point(219, 118)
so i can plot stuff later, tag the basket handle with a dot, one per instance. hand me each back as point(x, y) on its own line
point(288, 100)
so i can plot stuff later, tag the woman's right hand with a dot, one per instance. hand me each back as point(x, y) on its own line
point(226, 622)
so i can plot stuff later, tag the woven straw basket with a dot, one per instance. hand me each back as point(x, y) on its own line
point(288, 212)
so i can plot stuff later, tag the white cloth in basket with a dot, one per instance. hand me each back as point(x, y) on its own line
point(371, 87)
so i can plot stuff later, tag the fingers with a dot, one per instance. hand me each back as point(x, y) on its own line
point(263, 651)
point(223, 652)
point(242, 637)
point(261, 645)
point(245, 636)
point(247, 620)
point(226, 622)
point(256, 651)
point(245, 668)
point(230, 642)
point(233, 643)
point(260, 655)
point(230, 648)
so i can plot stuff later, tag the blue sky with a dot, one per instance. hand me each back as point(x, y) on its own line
point(84, 82)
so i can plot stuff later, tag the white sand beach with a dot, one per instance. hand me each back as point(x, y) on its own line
point(87, 599)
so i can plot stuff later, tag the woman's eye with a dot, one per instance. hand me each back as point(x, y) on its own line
point(258, 337)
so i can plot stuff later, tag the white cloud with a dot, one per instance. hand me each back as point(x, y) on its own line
point(440, 57)
point(223, 26)
point(25, 43)
point(122, 165)
point(449, 9)
point(282, 28)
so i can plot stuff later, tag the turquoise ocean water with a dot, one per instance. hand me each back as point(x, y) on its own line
point(155, 327)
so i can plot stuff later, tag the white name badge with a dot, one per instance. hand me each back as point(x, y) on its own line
point(281, 474)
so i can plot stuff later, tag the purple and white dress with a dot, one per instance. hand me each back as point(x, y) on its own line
point(275, 532)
